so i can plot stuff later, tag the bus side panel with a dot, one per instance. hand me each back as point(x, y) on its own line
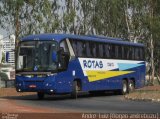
point(141, 77)
point(138, 75)
point(64, 79)
point(116, 82)
point(63, 82)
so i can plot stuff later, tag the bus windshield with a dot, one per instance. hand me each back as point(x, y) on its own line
point(36, 56)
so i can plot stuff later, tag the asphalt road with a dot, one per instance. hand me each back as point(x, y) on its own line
point(108, 103)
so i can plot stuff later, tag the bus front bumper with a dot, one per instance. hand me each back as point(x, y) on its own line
point(46, 85)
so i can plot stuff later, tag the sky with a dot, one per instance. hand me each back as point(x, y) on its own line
point(3, 32)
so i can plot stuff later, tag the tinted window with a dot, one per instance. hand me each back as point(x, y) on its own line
point(120, 52)
point(81, 49)
point(129, 55)
point(105, 50)
point(93, 49)
point(63, 44)
point(100, 50)
point(141, 53)
point(74, 45)
point(133, 53)
point(137, 54)
point(116, 51)
point(88, 49)
point(112, 51)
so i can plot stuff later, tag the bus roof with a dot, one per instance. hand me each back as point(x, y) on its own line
point(60, 37)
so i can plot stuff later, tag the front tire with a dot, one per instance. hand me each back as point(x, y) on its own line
point(40, 95)
point(74, 90)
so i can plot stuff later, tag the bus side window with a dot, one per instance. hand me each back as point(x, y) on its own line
point(64, 57)
point(126, 52)
point(110, 51)
point(119, 52)
point(133, 53)
point(113, 51)
point(129, 52)
point(79, 48)
point(116, 51)
point(63, 44)
point(141, 54)
point(123, 52)
point(106, 51)
point(84, 52)
point(93, 49)
point(137, 54)
point(100, 51)
point(74, 45)
point(88, 50)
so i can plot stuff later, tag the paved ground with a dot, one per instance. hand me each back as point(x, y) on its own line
point(25, 105)
point(108, 103)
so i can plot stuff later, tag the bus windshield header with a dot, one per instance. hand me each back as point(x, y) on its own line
point(36, 56)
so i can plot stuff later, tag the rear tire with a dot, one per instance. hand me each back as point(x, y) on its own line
point(131, 86)
point(74, 90)
point(124, 89)
point(40, 95)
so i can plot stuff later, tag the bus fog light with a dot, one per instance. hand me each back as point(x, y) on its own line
point(19, 90)
point(51, 90)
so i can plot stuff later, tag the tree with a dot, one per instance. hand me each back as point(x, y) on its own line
point(3, 76)
point(3, 57)
point(154, 25)
point(135, 20)
point(25, 17)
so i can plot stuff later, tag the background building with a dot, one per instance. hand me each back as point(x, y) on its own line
point(9, 47)
point(1, 48)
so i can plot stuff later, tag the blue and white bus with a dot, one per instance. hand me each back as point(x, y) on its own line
point(68, 64)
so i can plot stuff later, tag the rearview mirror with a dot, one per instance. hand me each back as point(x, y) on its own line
point(54, 56)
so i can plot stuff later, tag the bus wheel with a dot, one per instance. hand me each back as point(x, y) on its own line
point(124, 89)
point(74, 90)
point(40, 95)
point(131, 86)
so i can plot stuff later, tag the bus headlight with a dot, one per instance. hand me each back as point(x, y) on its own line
point(19, 84)
point(47, 84)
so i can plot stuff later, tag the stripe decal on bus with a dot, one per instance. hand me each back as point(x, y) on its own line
point(126, 66)
point(99, 69)
point(100, 75)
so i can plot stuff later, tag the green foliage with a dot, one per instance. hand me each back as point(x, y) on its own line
point(3, 57)
point(27, 16)
point(135, 20)
point(3, 76)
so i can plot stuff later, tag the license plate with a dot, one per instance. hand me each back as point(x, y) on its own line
point(32, 86)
